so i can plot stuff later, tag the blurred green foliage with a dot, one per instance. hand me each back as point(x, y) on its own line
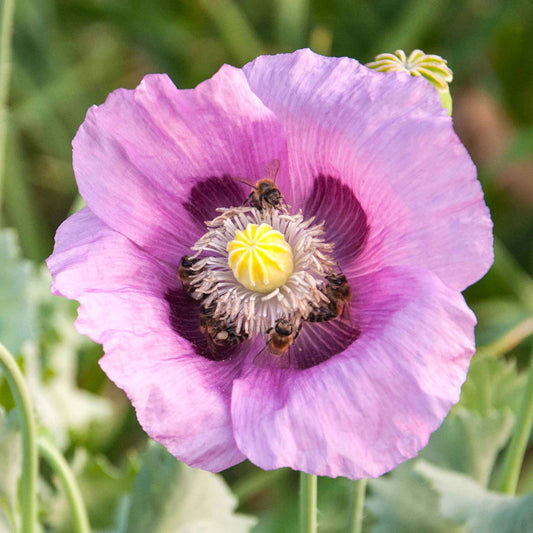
point(10, 453)
point(69, 54)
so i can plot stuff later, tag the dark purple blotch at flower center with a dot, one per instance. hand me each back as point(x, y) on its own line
point(345, 228)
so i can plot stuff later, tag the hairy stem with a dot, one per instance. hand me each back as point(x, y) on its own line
point(357, 506)
point(307, 503)
point(28, 480)
point(58, 464)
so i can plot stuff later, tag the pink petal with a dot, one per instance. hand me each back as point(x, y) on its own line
point(182, 399)
point(138, 156)
point(364, 411)
point(388, 138)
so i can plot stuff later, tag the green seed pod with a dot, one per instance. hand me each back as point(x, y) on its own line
point(432, 67)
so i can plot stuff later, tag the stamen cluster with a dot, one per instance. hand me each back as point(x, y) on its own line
point(212, 280)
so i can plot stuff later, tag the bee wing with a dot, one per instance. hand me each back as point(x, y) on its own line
point(346, 313)
point(272, 169)
point(283, 361)
point(245, 181)
point(266, 359)
point(263, 356)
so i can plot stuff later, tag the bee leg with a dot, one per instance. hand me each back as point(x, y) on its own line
point(298, 329)
point(247, 199)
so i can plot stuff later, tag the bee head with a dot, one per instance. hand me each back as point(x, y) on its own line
point(273, 196)
point(336, 279)
point(283, 327)
point(187, 261)
point(269, 192)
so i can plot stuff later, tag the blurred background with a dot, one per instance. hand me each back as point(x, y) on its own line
point(69, 54)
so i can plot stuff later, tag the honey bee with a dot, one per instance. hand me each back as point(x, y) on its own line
point(185, 271)
point(280, 338)
point(282, 335)
point(339, 294)
point(217, 331)
point(265, 192)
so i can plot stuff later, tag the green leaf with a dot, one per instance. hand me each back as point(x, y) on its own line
point(492, 383)
point(469, 442)
point(404, 502)
point(10, 466)
point(18, 312)
point(465, 503)
point(170, 496)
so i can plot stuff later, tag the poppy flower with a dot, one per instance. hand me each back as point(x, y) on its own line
point(319, 327)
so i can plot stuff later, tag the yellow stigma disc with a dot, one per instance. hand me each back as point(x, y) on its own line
point(260, 258)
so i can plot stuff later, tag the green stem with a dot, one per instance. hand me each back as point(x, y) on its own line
point(58, 464)
point(357, 506)
point(28, 479)
point(307, 503)
point(8, 10)
point(515, 453)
